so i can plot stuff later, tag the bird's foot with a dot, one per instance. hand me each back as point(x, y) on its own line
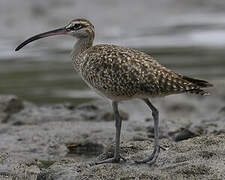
point(111, 160)
point(152, 158)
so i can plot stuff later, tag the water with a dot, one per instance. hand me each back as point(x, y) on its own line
point(186, 36)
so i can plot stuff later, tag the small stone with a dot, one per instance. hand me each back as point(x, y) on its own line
point(183, 135)
point(10, 104)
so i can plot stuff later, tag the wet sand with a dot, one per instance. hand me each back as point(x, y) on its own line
point(62, 141)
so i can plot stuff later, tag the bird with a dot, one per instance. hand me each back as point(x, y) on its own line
point(120, 73)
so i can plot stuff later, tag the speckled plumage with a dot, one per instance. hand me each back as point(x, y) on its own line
point(122, 73)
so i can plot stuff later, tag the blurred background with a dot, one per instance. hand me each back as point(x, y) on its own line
point(186, 36)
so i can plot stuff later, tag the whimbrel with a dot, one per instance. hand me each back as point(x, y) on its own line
point(120, 73)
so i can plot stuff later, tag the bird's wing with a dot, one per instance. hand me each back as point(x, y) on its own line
point(126, 70)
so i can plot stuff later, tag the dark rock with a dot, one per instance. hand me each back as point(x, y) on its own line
point(9, 105)
point(85, 148)
point(14, 106)
point(183, 135)
point(18, 123)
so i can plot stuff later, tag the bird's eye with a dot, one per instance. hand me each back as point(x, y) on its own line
point(77, 26)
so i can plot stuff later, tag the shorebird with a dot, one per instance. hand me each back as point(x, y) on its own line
point(120, 73)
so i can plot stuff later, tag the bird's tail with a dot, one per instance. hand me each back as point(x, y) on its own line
point(200, 84)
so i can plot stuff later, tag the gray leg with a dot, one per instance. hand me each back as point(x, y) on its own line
point(155, 113)
point(118, 123)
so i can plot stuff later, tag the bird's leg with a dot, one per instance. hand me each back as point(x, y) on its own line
point(155, 113)
point(118, 123)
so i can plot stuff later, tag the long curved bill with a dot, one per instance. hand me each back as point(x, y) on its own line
point(42, 35)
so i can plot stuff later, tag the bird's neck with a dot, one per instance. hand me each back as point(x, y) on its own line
point(81, 45)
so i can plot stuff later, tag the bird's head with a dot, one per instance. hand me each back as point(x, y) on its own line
point(79, 28)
